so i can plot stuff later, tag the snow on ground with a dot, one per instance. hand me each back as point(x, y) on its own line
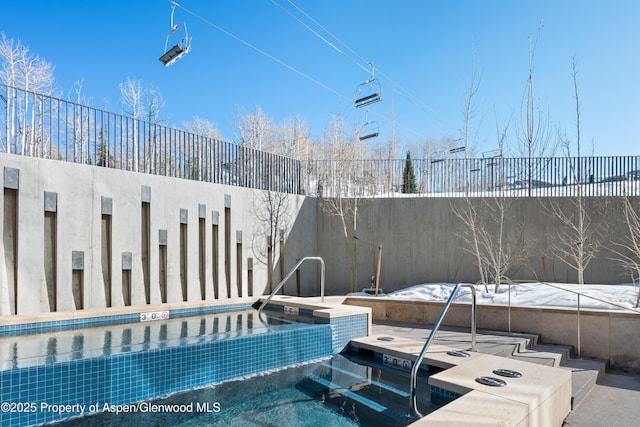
point(527, 294)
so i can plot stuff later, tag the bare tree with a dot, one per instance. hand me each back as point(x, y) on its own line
point(201, 126)
point(132, 92)
point(470, 218)
point(254, 130)
point(628, 249)
point(580, 236)
point(469, 113)
point(23, 70)
point(343, 188)
point(537, 142)
point(80, 123)
point(154, 105)
point(292, 138)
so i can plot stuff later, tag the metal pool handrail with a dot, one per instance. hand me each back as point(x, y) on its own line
point(578, 294)
point(289, 274)
point(414, 370)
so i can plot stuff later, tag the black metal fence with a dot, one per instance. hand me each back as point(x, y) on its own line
point(43, 126)
point(496, 176)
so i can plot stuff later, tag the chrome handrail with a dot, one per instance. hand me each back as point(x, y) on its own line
point(289, 274)
point(413, 401)
point(578, 294)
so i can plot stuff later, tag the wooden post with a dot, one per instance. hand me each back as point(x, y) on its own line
point(378, 268)
point(544, 266)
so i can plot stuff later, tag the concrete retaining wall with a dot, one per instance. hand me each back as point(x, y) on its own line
point(422, 241)
point(79, 196)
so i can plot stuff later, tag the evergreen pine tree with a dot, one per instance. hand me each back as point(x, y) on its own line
point(408, 177)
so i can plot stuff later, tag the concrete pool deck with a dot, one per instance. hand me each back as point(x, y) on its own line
point(600, 396)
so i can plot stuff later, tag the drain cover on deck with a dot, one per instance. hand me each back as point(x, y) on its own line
point(491, 381)
point(458, 353)
point(507, 373)
point(385, 338)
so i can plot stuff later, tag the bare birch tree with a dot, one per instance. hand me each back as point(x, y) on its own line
point(131, 93)
point(79, 123)
point(254, 130)
point(23, 70)
point(154, 105)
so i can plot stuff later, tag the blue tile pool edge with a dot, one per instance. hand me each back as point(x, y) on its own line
point(132, 377)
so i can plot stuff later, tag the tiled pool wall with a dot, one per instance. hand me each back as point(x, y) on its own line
point(343, 328)
point(117, 379)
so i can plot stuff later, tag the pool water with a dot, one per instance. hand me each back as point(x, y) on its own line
point(343, 390)
point(53, 346)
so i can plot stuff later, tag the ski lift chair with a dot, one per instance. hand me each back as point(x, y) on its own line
point(179, 50)
point(369, 91)
point(369, 129)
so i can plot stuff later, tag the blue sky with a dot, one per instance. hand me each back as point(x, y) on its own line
point(425, 47)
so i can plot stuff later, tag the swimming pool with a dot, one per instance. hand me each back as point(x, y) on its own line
point(135, 362)
point(60, 344)
point(343, 390)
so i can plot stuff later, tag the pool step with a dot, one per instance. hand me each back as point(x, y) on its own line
point(377, 394)
point(360, 405)
point(380, 384)
point(348, 393)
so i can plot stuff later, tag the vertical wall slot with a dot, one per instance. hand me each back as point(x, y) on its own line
point(239, 261)
point(10, 234)
point(145, 240)
point(127, 262)
point(184, 215)
point(202, 250)
point(281, 257)
point(227, 242)
point(77, 279)
point(105, 248)
point(215, 253)
point(269, 264)
point(298, 281)
point(250, 277)
point(50, 247)
point(162, 264)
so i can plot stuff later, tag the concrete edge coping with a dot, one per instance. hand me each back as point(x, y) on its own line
point(22, 319)
point(327, 310)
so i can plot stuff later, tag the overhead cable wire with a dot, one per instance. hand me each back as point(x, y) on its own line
point(262, 52)
point(346, 46)
point(307, 27)
point(396, 85)
point(284, 64)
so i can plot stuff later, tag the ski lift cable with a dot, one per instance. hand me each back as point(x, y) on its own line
point(262, 52)
point(396, 85)
point(284, 64)
point(353, 52)
point(307, 27)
